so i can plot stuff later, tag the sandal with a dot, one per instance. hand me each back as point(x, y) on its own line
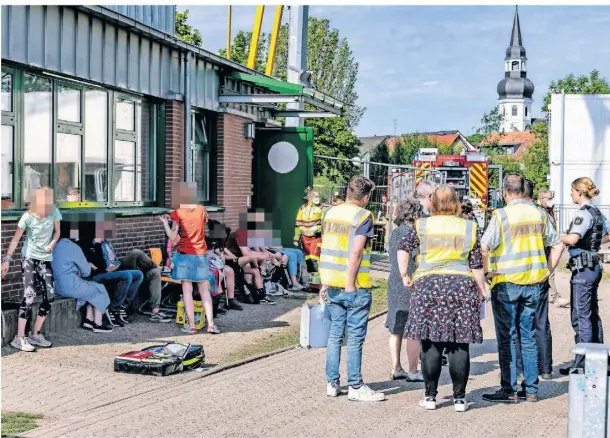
point(213, 330)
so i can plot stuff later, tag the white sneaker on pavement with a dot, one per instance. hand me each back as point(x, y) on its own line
point(364, 393)
point(562, 302)
point(428, 403)
point(21, 343)
point(332, 389)
point(460, 404)
point(415, 377)
point(39, 340)
point(296, 287)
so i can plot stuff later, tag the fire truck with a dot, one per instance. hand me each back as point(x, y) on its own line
point(466, 173)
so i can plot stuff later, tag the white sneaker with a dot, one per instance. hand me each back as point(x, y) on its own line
point(400, 375)
point(332, 389)
point(297, 287)
point(364, 393)
point(415, 377)
point(460, 405)
point(428, 403)
point(562, 302)
point(39, 340)
point(21, 343)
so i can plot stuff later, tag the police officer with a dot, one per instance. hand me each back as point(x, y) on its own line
point(588, 231)
point(345, 265)
point(515, 241)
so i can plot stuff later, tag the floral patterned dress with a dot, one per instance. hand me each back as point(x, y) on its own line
point(444, 307)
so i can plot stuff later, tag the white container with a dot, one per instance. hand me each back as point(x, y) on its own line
point(315, 325)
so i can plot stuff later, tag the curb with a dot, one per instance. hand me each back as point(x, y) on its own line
point(264, 355)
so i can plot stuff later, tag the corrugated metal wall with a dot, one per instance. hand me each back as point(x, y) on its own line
point(160, 17)
point(65, 40)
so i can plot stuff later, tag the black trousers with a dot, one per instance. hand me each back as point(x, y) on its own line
point(458, 356)
point(542, 334)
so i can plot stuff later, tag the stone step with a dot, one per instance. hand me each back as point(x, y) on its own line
point(62, 316)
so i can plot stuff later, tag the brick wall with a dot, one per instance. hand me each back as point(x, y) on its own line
point(174, 146)
point(234, 166)
point(141, 232)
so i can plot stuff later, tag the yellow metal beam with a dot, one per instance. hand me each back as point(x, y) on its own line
point(229, 35)
point(256, 33)
point(275, 32)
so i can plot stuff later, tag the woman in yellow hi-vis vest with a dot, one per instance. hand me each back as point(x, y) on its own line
point(308, 234)
point(447, 291)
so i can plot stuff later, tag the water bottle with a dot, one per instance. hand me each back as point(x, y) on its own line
point(197, 318)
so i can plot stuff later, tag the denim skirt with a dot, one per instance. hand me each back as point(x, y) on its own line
point(191, 267)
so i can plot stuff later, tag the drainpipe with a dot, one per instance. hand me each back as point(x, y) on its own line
point(187, 119)
point(561, 160)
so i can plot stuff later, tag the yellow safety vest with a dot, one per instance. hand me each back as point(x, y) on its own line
point(520, 258)
point(444, 245)
point(339, 227)
point(309, 221)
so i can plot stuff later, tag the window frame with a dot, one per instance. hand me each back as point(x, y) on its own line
point(514, 111)
point(209, 149)
point(10, 118)
point(16, 119)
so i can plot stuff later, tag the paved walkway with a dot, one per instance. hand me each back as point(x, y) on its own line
point(284, 395)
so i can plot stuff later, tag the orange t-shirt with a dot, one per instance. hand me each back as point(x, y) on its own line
point(191, 223)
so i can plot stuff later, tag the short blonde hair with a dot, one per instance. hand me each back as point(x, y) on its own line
point(585, 186)
point(445, 202)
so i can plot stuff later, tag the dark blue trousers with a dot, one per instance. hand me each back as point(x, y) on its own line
point(542, 334)
point(585, 309)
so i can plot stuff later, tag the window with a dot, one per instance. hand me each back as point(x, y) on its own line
point(525, 111)
point(515, 66)
point(37, 134)
point(200, 154)
point(8, 139)
point(61, 134)
point(514, 110)
point(134, 152)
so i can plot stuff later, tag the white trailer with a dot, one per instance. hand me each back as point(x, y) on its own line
point(579, 145)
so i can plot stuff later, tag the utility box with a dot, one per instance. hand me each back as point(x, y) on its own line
point(588, 407)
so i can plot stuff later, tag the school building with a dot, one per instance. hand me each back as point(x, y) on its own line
point(107, 107)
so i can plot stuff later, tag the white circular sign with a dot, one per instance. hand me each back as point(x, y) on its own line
point(283, 157)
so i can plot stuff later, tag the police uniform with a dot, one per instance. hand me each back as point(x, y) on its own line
point(591, 225)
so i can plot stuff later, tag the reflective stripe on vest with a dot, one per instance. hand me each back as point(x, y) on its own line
point(520, 258)
point(339, 227)
point(445, 243)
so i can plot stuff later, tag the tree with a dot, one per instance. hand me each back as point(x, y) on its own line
point(185, 32)
point(491, 122)
point(334, 72)
point(592, 84)
point(381, 154)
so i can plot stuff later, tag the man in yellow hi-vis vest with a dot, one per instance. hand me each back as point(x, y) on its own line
point(515, 241)
point(345, 264)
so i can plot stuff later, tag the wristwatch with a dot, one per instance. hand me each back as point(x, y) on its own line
point(6, 259)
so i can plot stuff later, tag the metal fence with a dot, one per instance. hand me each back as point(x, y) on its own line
point(566, 213)
point(393, 183)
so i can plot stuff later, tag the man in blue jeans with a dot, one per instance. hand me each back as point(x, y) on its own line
point(515, 242)
point(345, 264)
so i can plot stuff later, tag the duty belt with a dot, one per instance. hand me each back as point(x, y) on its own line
point(584, 260)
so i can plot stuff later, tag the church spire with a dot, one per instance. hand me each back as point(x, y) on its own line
point(516, 35)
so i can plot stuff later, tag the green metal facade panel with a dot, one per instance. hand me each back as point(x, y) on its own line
point(269, 83)
point(283, 170)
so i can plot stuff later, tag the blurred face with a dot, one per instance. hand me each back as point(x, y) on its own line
point(426, 200)
point(183, 193)
point(105, 228)
point(42, 203)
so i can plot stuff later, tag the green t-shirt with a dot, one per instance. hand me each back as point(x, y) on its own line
point(38, 235)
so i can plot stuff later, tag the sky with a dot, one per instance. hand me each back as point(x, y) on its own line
point(431, 68)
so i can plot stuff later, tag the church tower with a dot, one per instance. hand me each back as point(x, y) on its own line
point(515, 90)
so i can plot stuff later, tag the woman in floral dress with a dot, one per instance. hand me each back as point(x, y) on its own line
point(446, 294)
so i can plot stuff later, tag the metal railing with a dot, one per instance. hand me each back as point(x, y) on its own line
point(565, 214)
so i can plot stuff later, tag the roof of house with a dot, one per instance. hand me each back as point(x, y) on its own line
point(369, 143)
point(524, 139)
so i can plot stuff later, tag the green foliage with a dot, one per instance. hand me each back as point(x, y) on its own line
point(475, 139)
point(381, 154)
point(490, 122)
point(185, 32)
point(592, 84)
point(334, 72)
point(536, 164)
point(240, 49)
